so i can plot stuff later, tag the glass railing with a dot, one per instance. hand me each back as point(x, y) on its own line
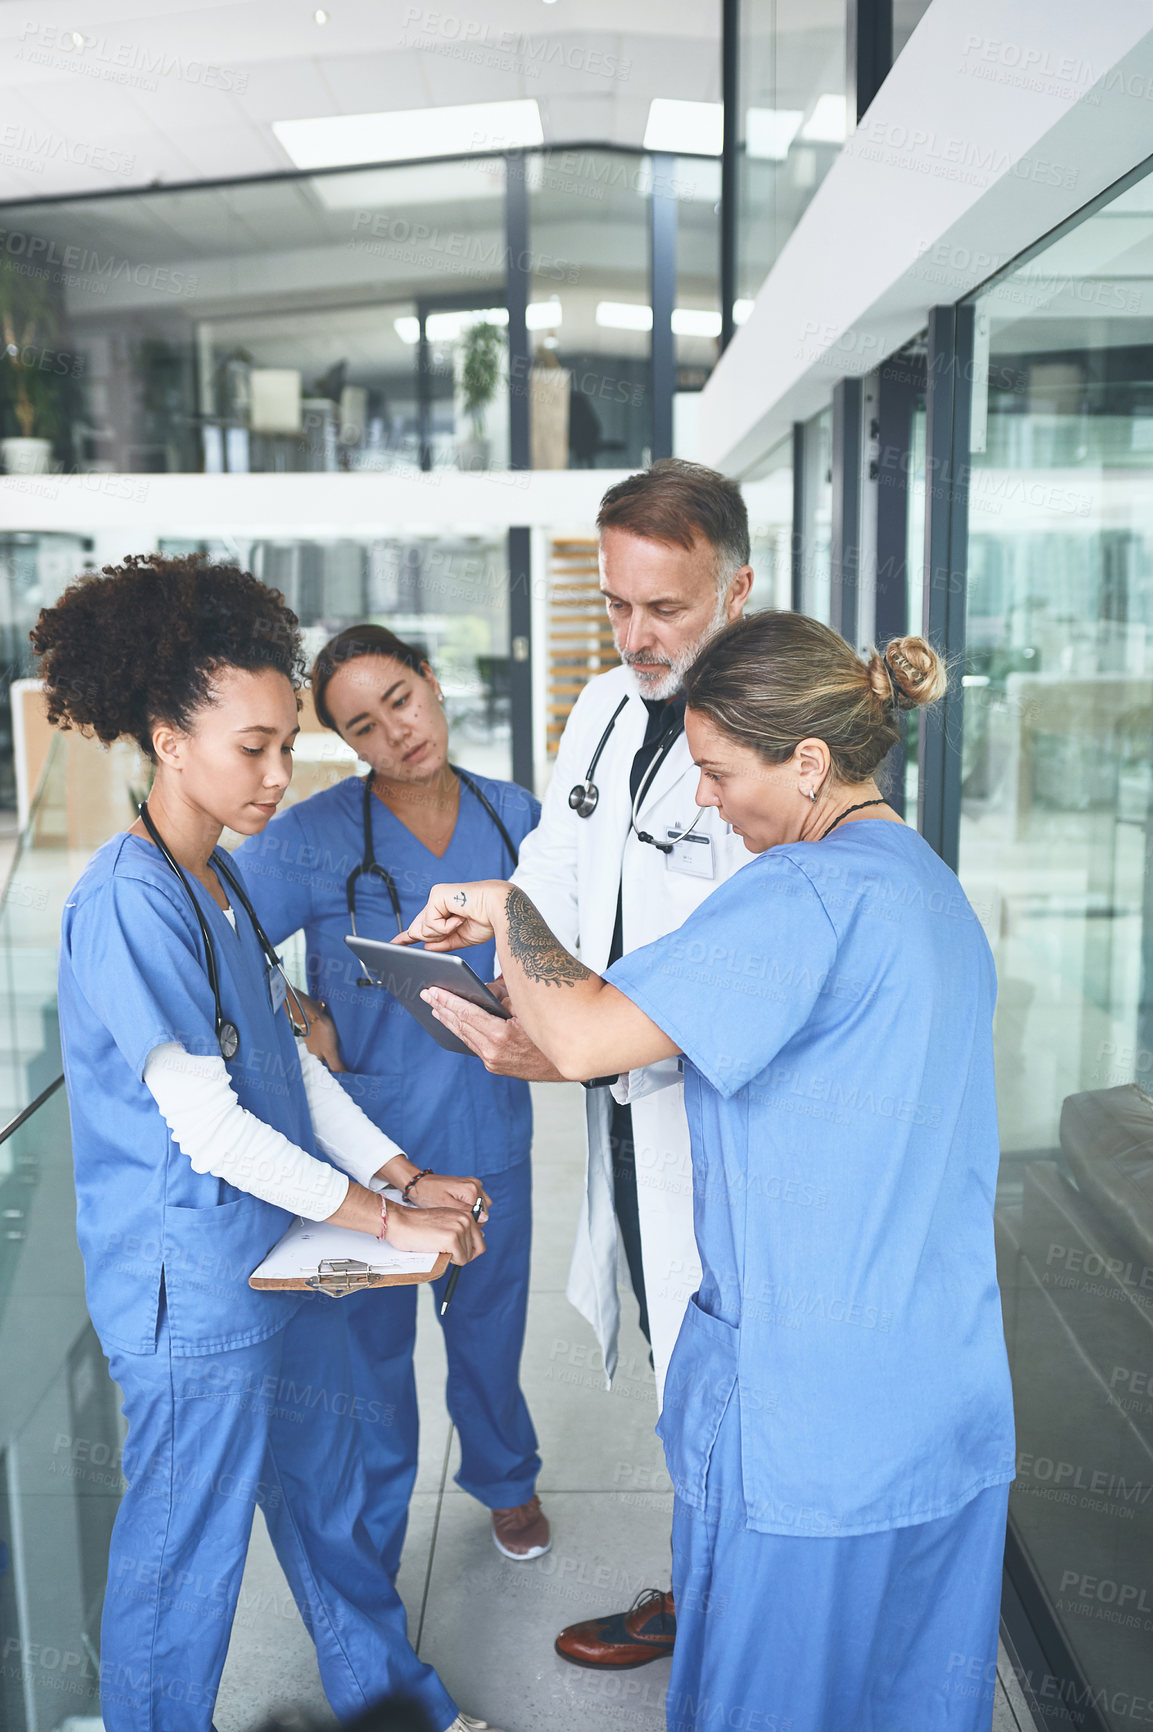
point(59, 1413)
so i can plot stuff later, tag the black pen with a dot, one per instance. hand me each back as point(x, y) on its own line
point(457, 1267)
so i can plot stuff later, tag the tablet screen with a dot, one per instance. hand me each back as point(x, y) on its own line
point(405, 971)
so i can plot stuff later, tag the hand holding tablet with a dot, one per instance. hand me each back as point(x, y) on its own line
point(407, 972)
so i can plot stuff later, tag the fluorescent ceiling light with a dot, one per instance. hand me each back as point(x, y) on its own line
point(828, 122)
point(624, 316)
point(770, 131)
point(741, 311)
point(449, 327)
point(692, 126)
point(543, 315)
point(628, 316)
point(340, 140)
point(692, 322)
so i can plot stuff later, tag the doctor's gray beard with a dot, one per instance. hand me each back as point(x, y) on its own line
point(669, 684)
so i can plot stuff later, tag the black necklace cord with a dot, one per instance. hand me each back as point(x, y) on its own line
point(860, 807)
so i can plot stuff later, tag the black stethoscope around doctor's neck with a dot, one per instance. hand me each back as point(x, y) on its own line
point(370, 867)
point(585, 796)
point(227, 1033)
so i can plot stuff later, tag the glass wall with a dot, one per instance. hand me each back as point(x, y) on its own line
point(589, 240)
point(907, 14)
point(1056, 833)
point(33, 570)
point(446, 593)
point(793, 122)
point(770, 503)
point(349, 321)
point(816, 526)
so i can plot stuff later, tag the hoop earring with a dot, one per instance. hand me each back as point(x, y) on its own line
point(812, 793)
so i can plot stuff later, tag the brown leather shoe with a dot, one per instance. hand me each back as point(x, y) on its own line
point(624, 1639)
point(521, 1533)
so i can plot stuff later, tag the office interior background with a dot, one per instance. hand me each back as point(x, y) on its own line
point(376, 301)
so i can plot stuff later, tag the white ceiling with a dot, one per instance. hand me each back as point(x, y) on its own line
point(164, 91)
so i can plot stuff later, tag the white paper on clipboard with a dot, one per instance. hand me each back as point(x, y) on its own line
point(307, 1244)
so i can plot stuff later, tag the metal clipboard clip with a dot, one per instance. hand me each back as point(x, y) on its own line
point(338, 1276)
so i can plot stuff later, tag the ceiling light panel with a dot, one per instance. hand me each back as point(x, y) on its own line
point(770, 131)
point(695, 322)
point(624, 316)
point(828, 123)
point(697, 127)
point(342, 140)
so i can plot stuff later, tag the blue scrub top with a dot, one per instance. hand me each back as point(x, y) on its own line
point(844, 1354)
point(132, 977)
point(443, 1108)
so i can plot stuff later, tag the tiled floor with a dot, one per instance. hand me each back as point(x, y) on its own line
point(488, 1624)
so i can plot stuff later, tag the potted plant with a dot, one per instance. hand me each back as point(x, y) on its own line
point(29, 369)
point(480, 359)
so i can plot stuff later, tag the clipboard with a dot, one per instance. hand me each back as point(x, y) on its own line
point(316, 1256)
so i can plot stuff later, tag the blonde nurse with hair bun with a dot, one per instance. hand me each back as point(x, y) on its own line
point(838, 1419)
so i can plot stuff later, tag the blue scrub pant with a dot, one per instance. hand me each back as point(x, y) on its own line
point(210, 1438)
point(483, 1338)
point(884, 1632)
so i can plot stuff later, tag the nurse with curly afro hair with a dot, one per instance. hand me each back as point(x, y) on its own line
point(200, 1128)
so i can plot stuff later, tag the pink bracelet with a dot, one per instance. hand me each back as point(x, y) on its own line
point(383, 1219)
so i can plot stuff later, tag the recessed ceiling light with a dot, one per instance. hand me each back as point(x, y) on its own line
point(828, 123)
point(624, 316)
point(320, 16)
point(629, 316)
point(341, 140)
point(695, 322)
point(543, 315)
point(447, 327)
point(697, 127)
point(741, 311)
point(770, 131)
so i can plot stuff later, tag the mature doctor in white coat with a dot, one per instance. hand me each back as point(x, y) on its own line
point(622, 856)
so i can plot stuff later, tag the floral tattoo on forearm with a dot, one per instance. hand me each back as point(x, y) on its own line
point(533, 946)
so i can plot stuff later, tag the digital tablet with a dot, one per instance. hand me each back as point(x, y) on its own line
point(405, 971)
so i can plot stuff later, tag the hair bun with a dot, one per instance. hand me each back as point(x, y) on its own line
point(908, 673)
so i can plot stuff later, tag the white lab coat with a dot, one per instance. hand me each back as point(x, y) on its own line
point(571, 868)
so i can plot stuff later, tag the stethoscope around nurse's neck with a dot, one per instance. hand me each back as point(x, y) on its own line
point(227, 1033)
point(585, 796)
point(370, 867)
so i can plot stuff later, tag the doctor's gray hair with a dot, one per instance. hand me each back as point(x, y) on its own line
point(675, 501)
point(775, 679)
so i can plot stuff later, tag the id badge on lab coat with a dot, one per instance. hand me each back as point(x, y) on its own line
point(277, 988)
point(692, 855)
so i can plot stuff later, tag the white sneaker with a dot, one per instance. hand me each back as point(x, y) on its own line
point(469, 1723)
